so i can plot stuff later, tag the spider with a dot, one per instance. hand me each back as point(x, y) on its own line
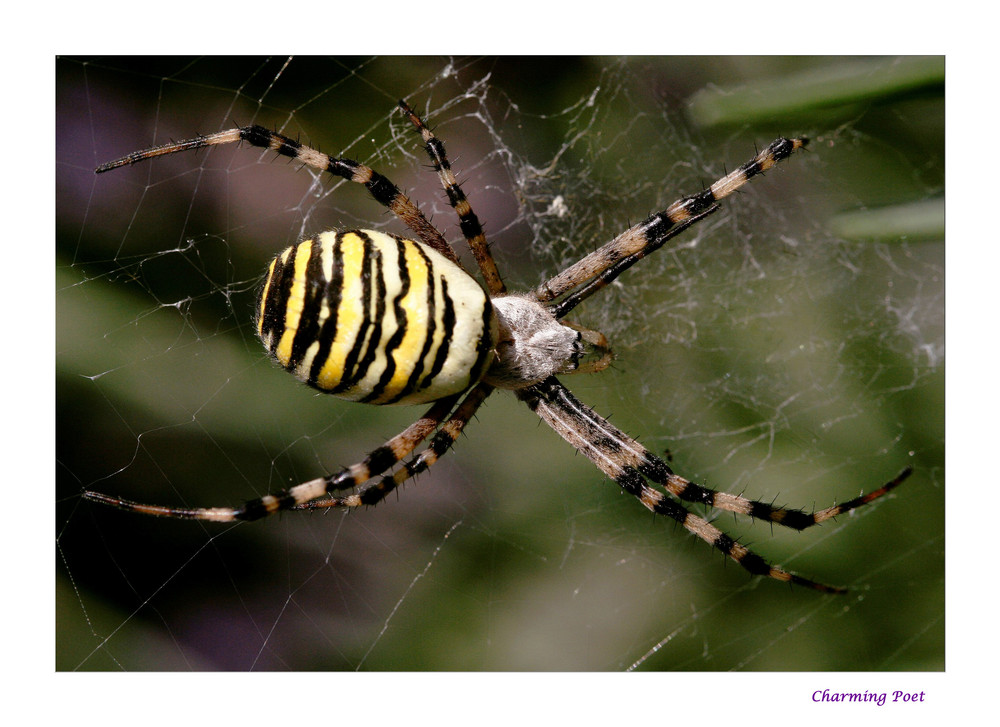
point(373, 317)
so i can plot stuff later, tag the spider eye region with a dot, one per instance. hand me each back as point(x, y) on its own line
point(372, 317)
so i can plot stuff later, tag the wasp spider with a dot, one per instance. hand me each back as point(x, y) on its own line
point(373, 317)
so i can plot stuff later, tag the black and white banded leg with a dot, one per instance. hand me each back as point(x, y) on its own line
point(381, 189)
point(375, 491)
point(467, 219)
point(607, 262)
point(627, 462)
point(378, 461)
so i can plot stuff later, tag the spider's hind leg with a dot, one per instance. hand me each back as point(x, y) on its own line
point(377, 490)
point(377, 462)
point(379, 187)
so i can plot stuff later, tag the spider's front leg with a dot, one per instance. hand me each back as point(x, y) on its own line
point(600, 267)
point(628, 463)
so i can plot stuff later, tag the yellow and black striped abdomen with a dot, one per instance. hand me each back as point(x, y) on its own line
point(369, 316)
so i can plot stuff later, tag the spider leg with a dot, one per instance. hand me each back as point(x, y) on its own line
point(796, 519)
point(385, 192)
point(375, 491)
point(628, 463)
point(653, 232)
point(599, 281)
point(377, 462)
point(468, 221)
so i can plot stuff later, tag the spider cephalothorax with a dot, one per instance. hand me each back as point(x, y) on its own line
point(534, 345)
point(374, 317)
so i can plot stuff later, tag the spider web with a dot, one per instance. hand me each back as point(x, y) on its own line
point(761, 352)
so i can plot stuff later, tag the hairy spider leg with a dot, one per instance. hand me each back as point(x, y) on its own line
point(565, 305)
point(381, 189)
point(375, 491)
point(652, 232)
point(627, 462)
point(472, 230)
point(377, 462)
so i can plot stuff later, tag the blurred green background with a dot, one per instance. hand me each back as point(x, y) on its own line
point(792, 350)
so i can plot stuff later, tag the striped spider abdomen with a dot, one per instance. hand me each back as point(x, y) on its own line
point(372, 317)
